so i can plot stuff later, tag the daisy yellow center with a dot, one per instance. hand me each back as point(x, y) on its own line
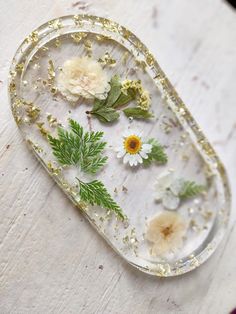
point(132, 144)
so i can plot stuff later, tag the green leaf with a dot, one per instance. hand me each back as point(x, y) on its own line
point(190, 189)
point(106, 114)
point(137, 113)
point(98, 103)
point(79, 148)
point(95, 193)
point(157, 153)
point(123, 100)
point(114, 92)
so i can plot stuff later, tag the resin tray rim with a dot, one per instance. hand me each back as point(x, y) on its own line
point(177, 106)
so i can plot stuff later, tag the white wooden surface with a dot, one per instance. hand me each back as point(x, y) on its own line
point(51, 260)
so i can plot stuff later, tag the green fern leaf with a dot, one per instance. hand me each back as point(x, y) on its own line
point(95, 193)
point(190, 189)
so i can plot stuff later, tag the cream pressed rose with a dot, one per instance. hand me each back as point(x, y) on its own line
point(83, 77)
point(165, 232)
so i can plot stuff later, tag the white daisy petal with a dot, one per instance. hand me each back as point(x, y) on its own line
point(131, 160)
point(135, 160)
point(143, 154)
point(121, 153)
point(126, 158)
point(139, 159)
point(170, 201)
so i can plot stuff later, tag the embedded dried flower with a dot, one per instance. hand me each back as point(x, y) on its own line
point(133, 150)
point(135, 87)
point(165, 233)
point(83, 77)
point(170, 190)
point(167, 190)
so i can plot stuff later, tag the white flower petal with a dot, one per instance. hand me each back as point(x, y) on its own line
point(147, 148)
point(165, 179)
point(120, 152)
point(139, 159)
point(143, 154)
point(176, 186)
point(159, 191)
point(170, 201)
point(127, 158)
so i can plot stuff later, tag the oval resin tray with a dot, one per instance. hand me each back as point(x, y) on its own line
point(102, 118)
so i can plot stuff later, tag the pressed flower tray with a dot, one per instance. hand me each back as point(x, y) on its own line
point(165, 216)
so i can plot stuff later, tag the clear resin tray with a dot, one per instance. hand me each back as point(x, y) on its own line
point(158, 192)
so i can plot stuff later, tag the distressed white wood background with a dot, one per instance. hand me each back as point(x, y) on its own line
point(51, 260)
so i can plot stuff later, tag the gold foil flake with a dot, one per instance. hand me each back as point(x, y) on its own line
point(149, 59)
point(32, 111)
point(207, 215)
point(162, 270)
point(141, 64)
point(51, 72)
point(42, 130)
point(52, 121)
point(12, 88)
point(77, 37)
point(126, 33)
point(88, 47)
point(55, 24)
point(19, 67)
point(16, 111)
point(54, 170)
point(125, 58)
point(110, 26)
point(44, 48)
point(35, 146)
point(13, 74)
point(33, 37)
point(57, 43)
point(78, 20)
point(194, 226)
point(20, 106)
point(102, 37)
point(107, 60)
point(194, 262)
point(54, 90)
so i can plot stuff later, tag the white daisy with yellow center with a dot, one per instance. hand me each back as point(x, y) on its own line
point(133, 150)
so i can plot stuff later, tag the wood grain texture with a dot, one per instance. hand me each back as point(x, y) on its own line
point(50, 258)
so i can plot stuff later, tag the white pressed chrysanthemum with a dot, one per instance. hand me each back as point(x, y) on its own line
point(167, 190)
point(165, 233)
point(82, 77)
point(132, 149)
